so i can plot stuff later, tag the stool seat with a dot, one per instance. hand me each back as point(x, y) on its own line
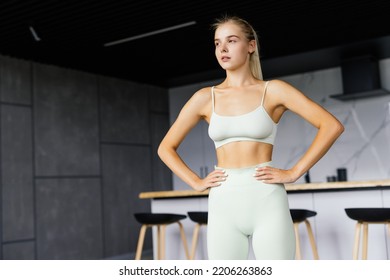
point(200, 218)
point(301, 216)
point(160, 220)
point(364, 217)
point(369, 214)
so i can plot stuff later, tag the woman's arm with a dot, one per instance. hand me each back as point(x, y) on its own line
point(329, 129)
point(191, 113)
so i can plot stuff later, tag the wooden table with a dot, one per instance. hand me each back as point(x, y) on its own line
point(328, 186)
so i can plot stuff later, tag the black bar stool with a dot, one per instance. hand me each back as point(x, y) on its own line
point(298, 216)
point(200, 218)
point(161, 220)
point(364, 217)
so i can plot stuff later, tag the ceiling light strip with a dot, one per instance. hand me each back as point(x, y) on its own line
point(149, 33)
point(34, 34)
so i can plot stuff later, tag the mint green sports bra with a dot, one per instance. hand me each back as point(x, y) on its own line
point(256, 126)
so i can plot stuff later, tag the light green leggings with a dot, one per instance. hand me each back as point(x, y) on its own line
point(244, 207)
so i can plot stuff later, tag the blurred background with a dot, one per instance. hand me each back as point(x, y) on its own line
point(89, 88)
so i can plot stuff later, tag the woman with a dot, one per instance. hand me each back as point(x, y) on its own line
point(247, 196)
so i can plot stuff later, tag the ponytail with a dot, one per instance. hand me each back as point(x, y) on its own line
point(254, 61)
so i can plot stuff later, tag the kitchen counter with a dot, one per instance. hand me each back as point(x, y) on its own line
point(333, 229)
point(291, 188)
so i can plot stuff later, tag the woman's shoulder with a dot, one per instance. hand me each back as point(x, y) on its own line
point(280, 91)
point(203, 94)
point(279, 88)
point(204, 91)
point(200, 99)
point(277, 83)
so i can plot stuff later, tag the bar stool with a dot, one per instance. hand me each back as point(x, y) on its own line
point(298, 216)
point(161, 220)
point(200, 218)
point(366, 216)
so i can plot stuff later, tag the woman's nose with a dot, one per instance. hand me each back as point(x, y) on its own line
point(223, 48)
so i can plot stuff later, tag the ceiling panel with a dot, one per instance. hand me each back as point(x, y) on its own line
point(73, 33)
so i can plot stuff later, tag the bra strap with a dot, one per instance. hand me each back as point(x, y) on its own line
point(212, 97)
point(265, 90)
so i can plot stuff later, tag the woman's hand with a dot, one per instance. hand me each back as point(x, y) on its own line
point(272, 175)
point(213, 179)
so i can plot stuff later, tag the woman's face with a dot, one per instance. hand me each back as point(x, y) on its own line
point(231, 46)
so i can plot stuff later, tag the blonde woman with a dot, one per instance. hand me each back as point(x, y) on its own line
point(247, 196)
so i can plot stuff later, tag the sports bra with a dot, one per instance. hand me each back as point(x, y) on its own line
point(256, 126)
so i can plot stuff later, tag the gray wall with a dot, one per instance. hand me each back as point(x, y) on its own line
point(76, 150)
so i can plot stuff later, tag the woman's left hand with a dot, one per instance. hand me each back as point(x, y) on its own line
point(272, 175)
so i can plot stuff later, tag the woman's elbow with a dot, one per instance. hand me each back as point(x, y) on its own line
point(164, 150)
point(338, 128)
point(160, 151)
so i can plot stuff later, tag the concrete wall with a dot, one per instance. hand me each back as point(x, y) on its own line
point(76, 150)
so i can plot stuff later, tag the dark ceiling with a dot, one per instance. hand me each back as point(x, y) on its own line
point(294, 35)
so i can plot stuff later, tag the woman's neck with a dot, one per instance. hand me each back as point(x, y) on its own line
point(239, 79)
point(230, 82)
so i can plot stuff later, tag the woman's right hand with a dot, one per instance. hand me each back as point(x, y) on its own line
point(213, 179)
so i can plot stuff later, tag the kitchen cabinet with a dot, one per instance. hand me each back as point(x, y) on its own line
point(335, 230)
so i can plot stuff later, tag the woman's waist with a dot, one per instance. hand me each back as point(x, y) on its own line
point(243, 178)
point(243, 169)
point(243, 163)
point(243, 154)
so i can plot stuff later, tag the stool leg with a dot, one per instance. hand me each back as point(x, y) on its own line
point(357, 241)
point(312, 241)
point(195, 237)
point(298, 255)
point(162, 242)
point(140, 244)
point(365, 241)
point(158, 242)
point(183, 238)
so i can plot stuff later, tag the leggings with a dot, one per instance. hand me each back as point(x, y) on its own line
point(243, 207)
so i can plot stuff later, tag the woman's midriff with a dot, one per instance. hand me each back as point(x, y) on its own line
point(243, 153)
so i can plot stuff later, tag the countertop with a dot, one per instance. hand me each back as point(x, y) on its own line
point(291, 188)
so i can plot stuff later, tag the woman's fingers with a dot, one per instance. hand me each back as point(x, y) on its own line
point(215, 178)
point(271, 175)
point(268, 174)
point(263, 173)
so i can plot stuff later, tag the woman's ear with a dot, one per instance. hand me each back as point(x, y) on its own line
point(252, 46)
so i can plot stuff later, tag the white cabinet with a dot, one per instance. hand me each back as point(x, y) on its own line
point(386, 203)
point(386, 198)
point(197, 150)
point(334, 230)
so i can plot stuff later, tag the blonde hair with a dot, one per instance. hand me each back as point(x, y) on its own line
point(250, 34)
